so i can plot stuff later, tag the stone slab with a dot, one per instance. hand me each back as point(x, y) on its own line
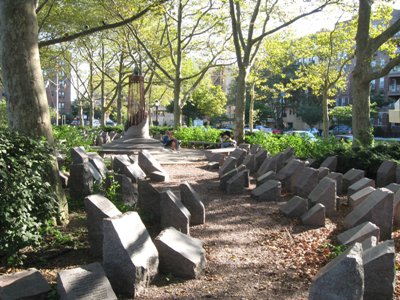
point(236, 184)
point(98, 208)
point(330, 163)
point(85, 282)
point(79, 155)
point(315, 216)
point(228, 165)
point(80, 181)
point(338, 177)
point(223, 181)
point(323, 172)
point(285, 174)
point(174, 213)
point(295, 207)
point(269, 164)
point(325, 193)
point(377, 209)
point(192, 201)
point(130, 258)
point(149, 200)
point(358, 233)
point(150, 164)
point(380, 271)
point(96, 160)
point(360, 196)
point(239, 154)
point(386, 173)
point(180, 255)
point(341, 278)
point(395, 188)
point(350, 177)
point(359, 185)
point(27, 284)
point(304, 181)
point(268, 191)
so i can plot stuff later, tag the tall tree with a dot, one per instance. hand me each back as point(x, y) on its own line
point(363, 73)
point(22, 74)
point(248, 38)
point(189, 27)
point(325, 56)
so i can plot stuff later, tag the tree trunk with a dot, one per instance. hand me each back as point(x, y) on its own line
point(361, 109)
point(28, 111)
point(177, 104)
point(251, 108)
point(325, 116)
point(240, 105)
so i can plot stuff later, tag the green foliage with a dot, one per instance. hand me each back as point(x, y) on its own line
point(27, 201)
point(331, 251)
point(342, 114)
point(205, 134)
point(209, 98)
point(3, 113)
point(156, 131)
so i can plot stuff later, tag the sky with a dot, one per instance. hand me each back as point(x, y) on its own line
point(325, 19)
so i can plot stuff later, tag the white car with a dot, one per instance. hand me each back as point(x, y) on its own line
point(303, 134)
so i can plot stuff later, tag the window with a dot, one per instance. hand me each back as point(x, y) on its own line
point(382, 62)
point(61, 93)
point(61, 105)
point(373, 85)
point(381, 83)
point(343, 101)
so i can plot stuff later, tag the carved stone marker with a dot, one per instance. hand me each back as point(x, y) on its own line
point(350, 177)
point(149, 164)
point(325, 193)
point(180, 255)
point(386, 173)
point(97, 208)
point(341, 278)
point(130, 259)
point(295, 207)
point(360, 196)
point(149, 200)
point(239, 154)
point(379, 271)
point(330, 163)
point(238, 182)
point(268, 191)
point(315, 216)
point(304, 181)
point(174, 213)
point(377, 209)
point(359, 233)
point(192, 201)
point(85, 282)
point(229, 164)
point(359, 185)
point(27, 284)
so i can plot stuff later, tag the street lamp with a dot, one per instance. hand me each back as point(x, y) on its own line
point(157, 104)
point(57, 88)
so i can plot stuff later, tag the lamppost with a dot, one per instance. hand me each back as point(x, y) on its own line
point(157, 104)
point(57, 89)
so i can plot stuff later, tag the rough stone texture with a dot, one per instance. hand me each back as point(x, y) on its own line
point(358, 233)
point(386, 173)
point(127, 191)
point(150, 165)
point(180, 255)
point(379, 271)
point(244, 146)
point(268, 191)
point(342, 278)
point(27, 284)
point(215, 157)
point(265, 177)
point(350, 177)
point(285, 174)
point(254, 148)
point(286, 155)
point(96, 160)
point(295, 207)
point(338, 177)
point(98, 208)
point(325, 193)
point(228, 175)
point(130, 259)
point(369, 242)
point(63, 178)
point(377, 209)
point(304, 181)
point(192, 201)
point(330, 163)
point(79, 156)
point(149, 200)
point(238, 182)
point(123, 165)
point(95, 174)
point(359, 185)
point(158, 176)
point(213, 165)
point(80, 181)
point(269, 164)
point(323, 172)
point(85, 282)
point(260, 156)
point(229, 164)
point(395, 188)
point(250, 163)
point(315, 216)
point(360, 196)
point(239, 154)
point(174, 213)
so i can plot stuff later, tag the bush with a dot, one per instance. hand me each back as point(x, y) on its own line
point(27, 201)
point(197, 133)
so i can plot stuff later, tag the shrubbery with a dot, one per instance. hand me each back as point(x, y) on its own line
point(27, 201)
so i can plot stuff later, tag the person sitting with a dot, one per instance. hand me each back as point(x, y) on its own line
point(226, 140)
point(170, 141)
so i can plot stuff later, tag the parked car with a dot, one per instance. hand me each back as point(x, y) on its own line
point(263, 128)
point(276, 131)
point(303, 134)
point(110, 122)
point(343, 137)
point(340, 129)
point(313, 130)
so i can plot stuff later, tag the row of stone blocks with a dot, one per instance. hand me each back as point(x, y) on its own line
point(129, 257)
point(88, 169)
